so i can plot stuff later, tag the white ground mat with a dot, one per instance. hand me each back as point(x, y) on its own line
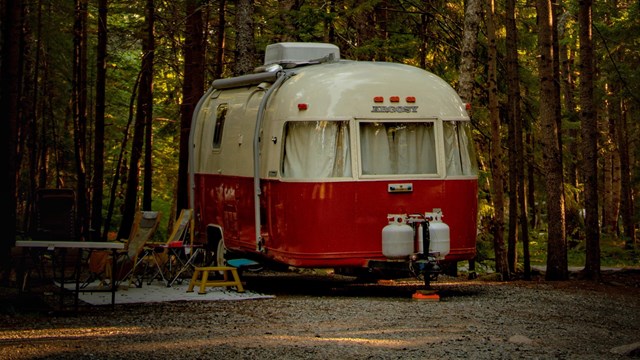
point(158, 292)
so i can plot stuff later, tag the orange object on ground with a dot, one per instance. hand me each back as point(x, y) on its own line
point(422, 295)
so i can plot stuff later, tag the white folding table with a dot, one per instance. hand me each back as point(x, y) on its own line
point(82, 245)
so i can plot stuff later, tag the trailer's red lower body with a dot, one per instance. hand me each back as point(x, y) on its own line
point(329, 224)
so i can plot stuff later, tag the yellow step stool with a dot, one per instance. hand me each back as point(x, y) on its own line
point(201, 277)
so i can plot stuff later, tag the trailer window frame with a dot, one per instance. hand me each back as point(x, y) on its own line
point(460, 152)
point(221, 115)
point(337, 168)
point(435, 149)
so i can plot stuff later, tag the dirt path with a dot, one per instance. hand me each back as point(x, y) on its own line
point(325, 317)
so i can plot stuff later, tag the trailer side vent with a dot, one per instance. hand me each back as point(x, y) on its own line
point(300, 53)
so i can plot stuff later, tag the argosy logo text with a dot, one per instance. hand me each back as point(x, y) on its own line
point(394, 109)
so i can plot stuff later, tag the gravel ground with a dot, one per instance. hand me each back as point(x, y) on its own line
point(334, 317)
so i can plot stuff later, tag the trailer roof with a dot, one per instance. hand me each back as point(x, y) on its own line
point(345, 89)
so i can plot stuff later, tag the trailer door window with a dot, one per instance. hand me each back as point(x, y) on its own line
point(459, 149)
point(221, 115)
point(316, 149)
point(389, 148)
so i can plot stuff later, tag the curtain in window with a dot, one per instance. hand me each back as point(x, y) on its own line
point(317, 149)
point(459, 149)
point(374, 146)
point(398, 148)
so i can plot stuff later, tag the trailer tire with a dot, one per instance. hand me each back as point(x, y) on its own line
point(220, 254)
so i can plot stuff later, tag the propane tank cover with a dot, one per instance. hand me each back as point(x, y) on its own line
point(397, 238)
point(440, 237)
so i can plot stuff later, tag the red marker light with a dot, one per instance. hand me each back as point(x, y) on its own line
point(467, 106)
point(411, 99)
point(394, 99)
point(378, 99)
point(302, 106)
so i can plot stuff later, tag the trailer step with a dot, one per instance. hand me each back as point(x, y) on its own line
point(245, 264)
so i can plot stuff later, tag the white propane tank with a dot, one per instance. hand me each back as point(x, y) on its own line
point(440, 240)
point(420, 242)
point(397, 238)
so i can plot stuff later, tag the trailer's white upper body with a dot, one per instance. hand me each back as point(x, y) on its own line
point(327, 91)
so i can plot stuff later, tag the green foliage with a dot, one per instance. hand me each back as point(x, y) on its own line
point(426, 34)
point(613, 253)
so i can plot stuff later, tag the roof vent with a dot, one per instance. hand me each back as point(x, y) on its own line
point(300, 53)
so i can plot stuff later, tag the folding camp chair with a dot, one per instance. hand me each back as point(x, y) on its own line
point(177, 255)
point(129, 260)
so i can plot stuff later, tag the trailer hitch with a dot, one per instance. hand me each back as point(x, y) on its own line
point(427, 267)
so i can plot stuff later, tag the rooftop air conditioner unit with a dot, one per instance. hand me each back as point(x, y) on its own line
point(300, 53)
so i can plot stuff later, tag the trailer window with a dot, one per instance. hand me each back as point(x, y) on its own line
point(316, 149)
point(221, 115)
point(459, 148)
point(389, 148)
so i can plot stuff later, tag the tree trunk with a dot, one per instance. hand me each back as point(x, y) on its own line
point(98, 150)
point(497, 173)
point(30, 107)
point(79, 103)
point(552, 157)
point(329, 26)
point(192, 90)
point(517, 164)
point(466, 82)
point(12, 49)
point(148, 47)
point(144, 111)
point(531, 198)
point(513, 113)
point(589, 142)
point(119, 168)
point(472, 18)
point(568, 88)
point(626, 198)
point(611, 164)
point(287, 29)
point(589, 146)
point(245, 43)
point(219, 68)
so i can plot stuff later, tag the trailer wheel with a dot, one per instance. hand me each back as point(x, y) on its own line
point(220, 255)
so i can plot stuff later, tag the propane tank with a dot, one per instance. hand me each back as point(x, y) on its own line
point(397, 238)
point(439, 234)
point(420, 243)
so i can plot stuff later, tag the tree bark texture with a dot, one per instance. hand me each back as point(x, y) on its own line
point(219, 57)
point(466, 81)
point(245, 44)
point(98, 147)
point(516, 153)
point(192, 91)
point(589, 143)
point(568, 89)
point(9, 101)
point(611, 188)
point(79, 103)
point(148, 47)
point(626, 198)
point(557, 268)
point(472, 18)
point(497, 172)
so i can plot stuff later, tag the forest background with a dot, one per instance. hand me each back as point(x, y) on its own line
point(97, 96)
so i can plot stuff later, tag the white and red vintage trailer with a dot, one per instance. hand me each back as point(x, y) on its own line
point(314, 161)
